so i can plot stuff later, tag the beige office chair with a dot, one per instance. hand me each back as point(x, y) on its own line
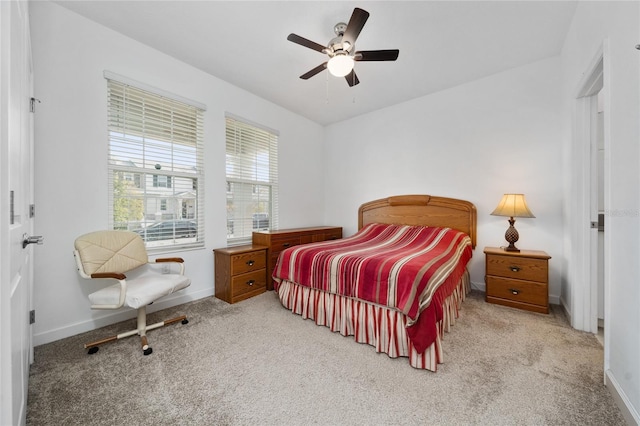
point(108, 255)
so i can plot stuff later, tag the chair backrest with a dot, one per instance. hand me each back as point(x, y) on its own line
point(109, 251)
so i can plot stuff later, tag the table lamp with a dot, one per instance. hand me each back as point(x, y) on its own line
point(512, 205)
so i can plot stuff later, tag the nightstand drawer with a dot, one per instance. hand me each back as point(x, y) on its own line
point(248, 283)
point(521, 268)
point(517, 290)
point(247, 262)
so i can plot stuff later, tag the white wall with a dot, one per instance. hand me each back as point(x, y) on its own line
point(476, 141)
point(70, 54)
point(616, 25)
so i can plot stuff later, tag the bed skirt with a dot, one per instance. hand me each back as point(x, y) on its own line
point(375, 325)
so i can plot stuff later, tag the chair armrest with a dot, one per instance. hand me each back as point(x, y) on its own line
point(170, 259)
point(114, 275)
point(122, 282)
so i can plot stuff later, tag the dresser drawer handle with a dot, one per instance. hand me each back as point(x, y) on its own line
point(250, 262)
point(251, 282)
point(286, 244)
point(514, 291)
point(514, 268)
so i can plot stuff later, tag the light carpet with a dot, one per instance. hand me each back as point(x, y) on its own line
point(255, 363)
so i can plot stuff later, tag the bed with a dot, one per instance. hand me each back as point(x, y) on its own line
point(397, 284)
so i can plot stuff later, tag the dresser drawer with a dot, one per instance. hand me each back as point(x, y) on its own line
point(247, 262)
point(278, 240)
point(251, 282)
point(332, 235)
point(273, 260)
point(521, 268)
point(280, 243)
point(517, 290)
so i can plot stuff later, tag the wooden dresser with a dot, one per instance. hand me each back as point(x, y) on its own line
point(240, 272)
point(518, 279)
point(276, 241)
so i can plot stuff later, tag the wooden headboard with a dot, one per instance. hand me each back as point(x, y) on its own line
point(424, 210)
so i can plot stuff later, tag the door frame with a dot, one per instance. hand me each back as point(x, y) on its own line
point(584, 202)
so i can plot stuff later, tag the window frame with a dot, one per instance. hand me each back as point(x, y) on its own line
point(254, 177)
point(144, 124)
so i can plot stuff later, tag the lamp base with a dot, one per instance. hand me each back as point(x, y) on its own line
point(511, 236)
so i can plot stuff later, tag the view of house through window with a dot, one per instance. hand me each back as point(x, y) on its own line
point(252, 179)
point(155, 167)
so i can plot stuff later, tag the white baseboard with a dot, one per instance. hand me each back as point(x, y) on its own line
point(478, 286)
point(567, 312)
point(629, 413)
point(112, 317)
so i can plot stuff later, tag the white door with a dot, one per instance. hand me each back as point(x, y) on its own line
point(16, 192)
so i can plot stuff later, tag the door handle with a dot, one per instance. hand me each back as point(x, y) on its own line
point(34, 239)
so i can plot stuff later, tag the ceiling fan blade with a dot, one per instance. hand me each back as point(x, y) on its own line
point(314, 71)
point(357, 21)
point(376, 55)
point(306, 43)
point(352, 78)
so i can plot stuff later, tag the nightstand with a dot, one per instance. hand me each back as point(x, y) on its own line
point(240, 272)
point(518, 279)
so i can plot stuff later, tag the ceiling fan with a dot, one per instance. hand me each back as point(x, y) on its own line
point(341, 49)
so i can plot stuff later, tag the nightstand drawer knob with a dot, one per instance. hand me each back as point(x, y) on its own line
point(514, 268)
point(251, 282)
point(514, 291)
point(251, 262)
point(286, 244)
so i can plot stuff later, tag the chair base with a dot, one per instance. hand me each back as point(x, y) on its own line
point(141, 331)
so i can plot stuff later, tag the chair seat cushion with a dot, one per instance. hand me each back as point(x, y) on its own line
point(141, 290)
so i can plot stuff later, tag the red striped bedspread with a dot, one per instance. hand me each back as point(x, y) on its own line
point(397, 266)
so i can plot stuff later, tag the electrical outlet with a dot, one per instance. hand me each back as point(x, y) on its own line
point(165, 269)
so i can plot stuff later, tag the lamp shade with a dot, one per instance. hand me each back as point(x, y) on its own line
point(513, 205)
point(340, 65)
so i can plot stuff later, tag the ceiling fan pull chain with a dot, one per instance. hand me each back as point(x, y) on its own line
point(327, 90)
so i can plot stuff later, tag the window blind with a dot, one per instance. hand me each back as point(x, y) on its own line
point(252, 179)
point(156, 174)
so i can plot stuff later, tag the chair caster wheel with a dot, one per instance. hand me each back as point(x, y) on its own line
point(147, 351)
point(185, 321)
point(92, 350)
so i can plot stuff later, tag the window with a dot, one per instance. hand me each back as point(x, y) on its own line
point(252, 179)
point(160, 181)
point(155, 166)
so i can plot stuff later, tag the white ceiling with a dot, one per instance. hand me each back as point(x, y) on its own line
point(442, 44)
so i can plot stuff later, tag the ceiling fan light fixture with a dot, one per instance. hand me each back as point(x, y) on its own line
point(340, 65)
